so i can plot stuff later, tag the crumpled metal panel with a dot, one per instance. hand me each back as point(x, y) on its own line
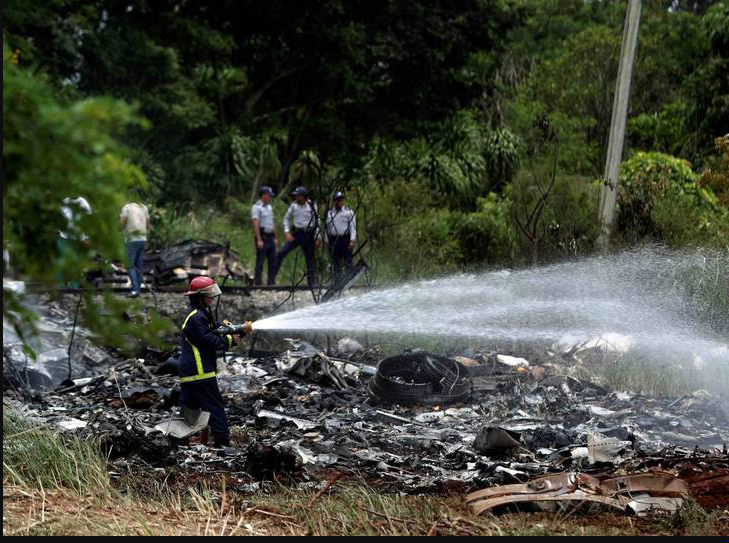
point(634, 492)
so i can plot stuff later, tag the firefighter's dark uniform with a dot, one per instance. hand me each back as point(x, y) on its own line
point(198, 366)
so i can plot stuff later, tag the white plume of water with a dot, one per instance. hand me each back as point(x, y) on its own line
point(659, 301)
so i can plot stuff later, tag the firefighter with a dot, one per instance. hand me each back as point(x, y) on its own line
point(341, 236)
point(198, 358)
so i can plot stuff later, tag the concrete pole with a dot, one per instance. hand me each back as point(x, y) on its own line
point(616, 143)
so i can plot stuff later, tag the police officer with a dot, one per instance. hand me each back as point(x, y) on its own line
point(198, 359)
point(266, 239)
point(301, 227)
point(341, 235)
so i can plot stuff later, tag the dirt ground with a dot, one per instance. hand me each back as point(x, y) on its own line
point(348, 509)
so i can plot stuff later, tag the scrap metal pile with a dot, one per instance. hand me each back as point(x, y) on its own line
point(176, 264)
point(525, 432)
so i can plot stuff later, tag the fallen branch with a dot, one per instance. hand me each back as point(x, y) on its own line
point(326, 487)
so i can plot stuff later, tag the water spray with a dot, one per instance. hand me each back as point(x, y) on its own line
point(662, 303)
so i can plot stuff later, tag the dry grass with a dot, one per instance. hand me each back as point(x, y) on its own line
point(350, 509)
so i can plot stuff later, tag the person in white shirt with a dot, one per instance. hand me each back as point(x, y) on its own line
point(264, 229)
point(341, 236)
point(135, 222)
point(72, 239)
point(301, 227)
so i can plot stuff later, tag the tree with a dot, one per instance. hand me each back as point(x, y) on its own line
point(53, 150)
point(327, 76)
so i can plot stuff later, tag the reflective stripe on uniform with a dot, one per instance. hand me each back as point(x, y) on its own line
point(230, 341)
point(201, 375)
point(192, 313)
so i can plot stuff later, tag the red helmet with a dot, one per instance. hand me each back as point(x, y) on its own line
point(205, 286)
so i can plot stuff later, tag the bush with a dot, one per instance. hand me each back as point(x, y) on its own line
point(53, 150)
point(408, 230)
point(487, 235)
point(659, 198)
point(568, 225)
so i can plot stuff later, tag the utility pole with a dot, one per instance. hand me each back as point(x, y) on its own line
point(616, 143)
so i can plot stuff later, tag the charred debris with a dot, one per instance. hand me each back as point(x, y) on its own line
point(499, 429)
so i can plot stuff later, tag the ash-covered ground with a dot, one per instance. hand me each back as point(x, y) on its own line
point(447, 422)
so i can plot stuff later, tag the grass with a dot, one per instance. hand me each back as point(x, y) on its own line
point(667, 377)
point(694, 520)
point(349, 509)
point(35, 457)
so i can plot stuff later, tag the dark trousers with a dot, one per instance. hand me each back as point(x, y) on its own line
point(205, 395)
point(305, 240)
point(135, 255)
point(267, 253)
point(341, 255)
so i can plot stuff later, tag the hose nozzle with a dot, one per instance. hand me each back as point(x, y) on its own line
point(248, 327)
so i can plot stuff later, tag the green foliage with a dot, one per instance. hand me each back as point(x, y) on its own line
point(567, 226)
point(437, 100)
point(329, 76)
point(577, 48)
point(416, 235)
point(590, 57)
point(716, 176)
point(53, 150)
point(686, 215)
point(487, 235)
point(643, 180)
point(665, 131)
point(659, 197)
point(502, 152)
point(708, 85)
point(459, 159)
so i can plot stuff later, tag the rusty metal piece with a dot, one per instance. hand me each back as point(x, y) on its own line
point(640, 492)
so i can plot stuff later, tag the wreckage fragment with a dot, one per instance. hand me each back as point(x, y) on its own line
point(308, 362)
point(268, 463)
point(177, 264)
point(190, 423)
point(420, 378)
point(638, 493)
point(493, 441)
